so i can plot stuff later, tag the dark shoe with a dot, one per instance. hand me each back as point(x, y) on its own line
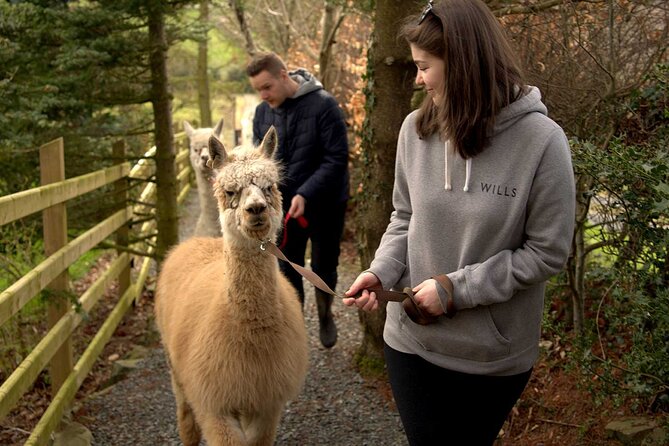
point(328, 329)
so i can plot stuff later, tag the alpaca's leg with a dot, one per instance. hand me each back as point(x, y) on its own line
point(262, 430)
point(222, 431)
point(258, 430)
point(189, 431)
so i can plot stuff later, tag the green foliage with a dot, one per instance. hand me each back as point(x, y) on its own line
point(623, 357)
point(649, 348)
point(83, 265)
point(60, 65)
point(226, 66)
point(78, 70)
point(630, 198)
point(627, 342)
point(17, 338)
point(553, 325)
point(21, 249)
point(366, 6)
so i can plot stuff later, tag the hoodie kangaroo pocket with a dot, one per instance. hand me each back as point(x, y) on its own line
point(471, 335)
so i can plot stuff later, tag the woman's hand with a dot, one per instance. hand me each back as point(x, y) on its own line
point(426, 296)
point(367, 300)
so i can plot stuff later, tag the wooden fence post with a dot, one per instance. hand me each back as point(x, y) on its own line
point(54, 218)
point(121, 198)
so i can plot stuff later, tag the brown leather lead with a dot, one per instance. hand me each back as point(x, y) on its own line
point(306, 273)
point(414, 312)
point(406, 296)
point(446, 284)
point(389, 296)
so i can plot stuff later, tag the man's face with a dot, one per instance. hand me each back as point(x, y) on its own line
point(272, 90)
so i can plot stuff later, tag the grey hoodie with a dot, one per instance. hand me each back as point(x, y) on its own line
point(306, 82)
point(499, 225)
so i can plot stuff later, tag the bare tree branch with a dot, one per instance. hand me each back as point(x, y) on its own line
point(538, 7)
point(238, 7)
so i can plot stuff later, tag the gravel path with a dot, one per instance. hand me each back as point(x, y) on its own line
point(336, 407)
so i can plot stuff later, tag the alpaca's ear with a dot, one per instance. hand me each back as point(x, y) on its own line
point(218, 129)
point(188, 129)
point(269, 143)
point(217, 153)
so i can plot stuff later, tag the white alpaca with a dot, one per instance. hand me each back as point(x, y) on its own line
point(208, 224)
point(230, 322)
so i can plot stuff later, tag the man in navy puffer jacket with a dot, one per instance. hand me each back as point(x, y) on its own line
point(313, 150)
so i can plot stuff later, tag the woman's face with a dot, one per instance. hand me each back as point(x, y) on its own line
point(431, 72)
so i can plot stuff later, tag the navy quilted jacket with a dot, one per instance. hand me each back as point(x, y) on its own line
point(313, 146)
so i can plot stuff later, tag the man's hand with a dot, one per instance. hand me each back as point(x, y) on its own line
point(297, 205)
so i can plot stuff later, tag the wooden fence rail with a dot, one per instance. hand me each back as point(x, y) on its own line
point(54, 349)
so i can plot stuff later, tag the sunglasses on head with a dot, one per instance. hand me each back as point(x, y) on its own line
point(426, 11)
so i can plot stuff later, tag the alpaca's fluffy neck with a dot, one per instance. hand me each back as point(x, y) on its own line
point(208, 203)
point(252, 278)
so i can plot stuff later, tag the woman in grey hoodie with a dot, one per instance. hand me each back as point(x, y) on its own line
point(483, 216)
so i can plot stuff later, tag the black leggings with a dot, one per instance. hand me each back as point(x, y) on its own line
point(447, 408)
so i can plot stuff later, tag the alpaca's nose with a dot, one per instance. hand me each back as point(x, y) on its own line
point(204, 154)
point(256, 208)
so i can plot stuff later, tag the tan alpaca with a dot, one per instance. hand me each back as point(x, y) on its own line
point(208, 224)
point(230, 322)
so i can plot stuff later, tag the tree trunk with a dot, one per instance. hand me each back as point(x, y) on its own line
point(576, 266)
point(202, 70)
point(332, 19)
point(391, 74)
point(166, 179)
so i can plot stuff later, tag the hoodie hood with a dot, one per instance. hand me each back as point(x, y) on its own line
point(307, 82)
point(530, 102)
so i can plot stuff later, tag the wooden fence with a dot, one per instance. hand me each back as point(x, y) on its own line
point(55, 348)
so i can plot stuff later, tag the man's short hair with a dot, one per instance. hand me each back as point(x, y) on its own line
point(269, 62)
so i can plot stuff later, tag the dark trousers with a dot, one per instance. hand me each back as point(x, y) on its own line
point(446, 408)
point(324, 230)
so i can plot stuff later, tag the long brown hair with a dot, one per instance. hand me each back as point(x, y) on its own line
point(482, 74)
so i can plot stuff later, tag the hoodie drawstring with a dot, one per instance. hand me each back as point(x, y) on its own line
point(468, 174)
point(447, 169)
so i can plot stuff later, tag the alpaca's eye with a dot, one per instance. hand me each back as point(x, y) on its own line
point(230, 193)
point(267, 190)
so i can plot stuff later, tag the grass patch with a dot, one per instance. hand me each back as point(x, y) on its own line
point(369, 367)
point(83, 265)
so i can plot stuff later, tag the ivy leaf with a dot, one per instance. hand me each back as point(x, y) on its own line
point(661, 206)
point(663, 188)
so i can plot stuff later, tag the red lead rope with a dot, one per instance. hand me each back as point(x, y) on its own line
point(300, 221)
